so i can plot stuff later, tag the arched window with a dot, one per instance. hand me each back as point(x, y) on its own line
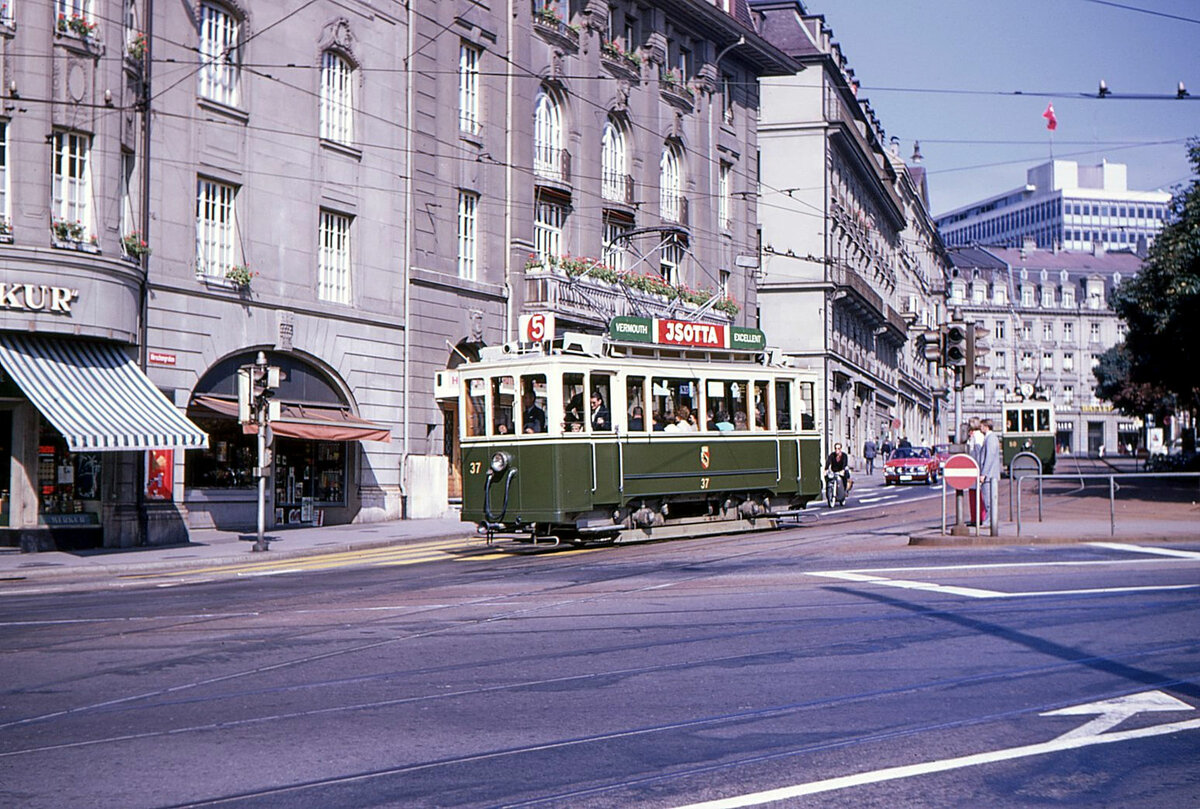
point(670, 185)
point(613, 162)
point(548, 160)
point(337, 98)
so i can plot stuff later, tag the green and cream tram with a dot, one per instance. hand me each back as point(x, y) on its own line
point(1028, 426)
point(662, 429)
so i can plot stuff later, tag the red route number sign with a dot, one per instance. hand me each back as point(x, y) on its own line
point(961, 472)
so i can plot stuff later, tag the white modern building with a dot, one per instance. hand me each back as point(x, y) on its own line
point(1062, 205)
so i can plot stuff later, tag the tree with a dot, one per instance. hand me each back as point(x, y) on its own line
point(1114, 383)
point(1161, 304)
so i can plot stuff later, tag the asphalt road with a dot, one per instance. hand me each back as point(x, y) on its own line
point(829, 665)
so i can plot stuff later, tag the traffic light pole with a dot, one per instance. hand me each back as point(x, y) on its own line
point(262, 543)
point(959, 529)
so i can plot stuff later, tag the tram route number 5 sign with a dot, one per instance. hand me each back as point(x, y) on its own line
point(961, 472)
point(537, 327)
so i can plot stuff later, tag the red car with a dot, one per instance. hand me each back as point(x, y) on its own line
point(911, 465)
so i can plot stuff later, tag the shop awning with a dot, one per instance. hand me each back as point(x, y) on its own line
point(95, 395)
point(309, 421)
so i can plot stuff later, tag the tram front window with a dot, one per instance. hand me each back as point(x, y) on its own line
point(475, 412)
point(1043, 419)
point(1012, 421)
point(533, 403)
point(574, 406)
point(504, 400)
point(1027, 421)
point(599, 412)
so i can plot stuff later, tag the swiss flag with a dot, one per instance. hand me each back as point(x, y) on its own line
point(1051, 120)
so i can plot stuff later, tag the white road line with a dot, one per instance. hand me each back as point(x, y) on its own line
point(1120, 546)
point(945, 765)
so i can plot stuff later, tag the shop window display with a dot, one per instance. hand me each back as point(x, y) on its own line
point(68, 483)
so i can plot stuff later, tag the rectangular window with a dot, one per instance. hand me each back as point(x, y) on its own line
point(724, 195)
point(220, 55)
point(1068, 331)
point(1068, 394)
point(727, 404)
point(783, 404)
point(675, 402)
point(1068, 297)
point(1094, 332)
point(66, 10)
point(727, 97)
point(1069, 361)
point(1001, 360)
point(1047, 361)
point(999, 332)
point(468, 205)
point(1026, 360)
point(635, 402)
point(468, 88)
point(216, 228)
point(1048, 330)
point(1027, 330)
point(504, 405)
point(549, 219)
point(337, 99)
point(807, 406)
point(1047, 297)
point(333, 260)
point(71, 186)
point(6, 12)
point(1027, 296)
point(129, 216)
point(533, 404)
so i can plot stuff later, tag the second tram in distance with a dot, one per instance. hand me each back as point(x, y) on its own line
point(662, 429)
point(1028, 426)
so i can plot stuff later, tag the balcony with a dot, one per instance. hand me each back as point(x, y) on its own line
point(554, 29)
point(622, 63)
point(674, 90)
point(675, 209)
point(596, 302)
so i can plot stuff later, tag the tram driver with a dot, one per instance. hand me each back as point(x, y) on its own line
point(532, 416)
point(601, 420)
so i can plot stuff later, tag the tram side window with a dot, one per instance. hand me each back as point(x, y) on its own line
point(504, 402)
point(762, 415)
point(635, 397)
point(533, 403)
point(726, 403)
point(675, 402)
point(1012, 421)
point(808, 410)
point(1043, 419)
point(475, 412)
point(783, 405)
point(574, 407)
point(599, 412)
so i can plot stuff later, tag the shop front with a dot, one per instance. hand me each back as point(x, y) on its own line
point(317, 462)
point(87, 447)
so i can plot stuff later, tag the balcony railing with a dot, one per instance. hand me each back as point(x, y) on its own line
point(552, 164)
point(673, 89)
point(675, 209)
point(617, 188)
point(549, 23)
point(598, 302)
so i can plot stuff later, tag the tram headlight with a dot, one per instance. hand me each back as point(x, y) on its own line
point(500, 462)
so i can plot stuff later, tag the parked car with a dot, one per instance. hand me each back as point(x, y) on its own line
point(911, 465)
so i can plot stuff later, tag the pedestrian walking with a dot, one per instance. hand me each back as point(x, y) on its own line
point(869, 452)
point(989, 473)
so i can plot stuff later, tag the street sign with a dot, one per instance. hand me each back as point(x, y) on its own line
point(961, 472)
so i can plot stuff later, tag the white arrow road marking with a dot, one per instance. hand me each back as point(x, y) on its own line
point(1115, 711)
point(1066, 742)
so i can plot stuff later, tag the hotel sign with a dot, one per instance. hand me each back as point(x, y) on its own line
point(37, 298)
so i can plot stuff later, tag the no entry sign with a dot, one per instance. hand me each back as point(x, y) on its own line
point(961, 472)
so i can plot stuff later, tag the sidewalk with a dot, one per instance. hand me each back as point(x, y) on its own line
point(213, 547)
point(1080, 519)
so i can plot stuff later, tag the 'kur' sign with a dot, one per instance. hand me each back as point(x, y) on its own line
point(961, 472)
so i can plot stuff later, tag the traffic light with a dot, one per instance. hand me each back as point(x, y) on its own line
point(977, 348)
point(954, 353)
point(931, 345)
point(256, 387)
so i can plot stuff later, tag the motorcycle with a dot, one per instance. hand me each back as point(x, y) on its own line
point(835, 488)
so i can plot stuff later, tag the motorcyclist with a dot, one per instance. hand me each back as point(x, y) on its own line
point(838, 463)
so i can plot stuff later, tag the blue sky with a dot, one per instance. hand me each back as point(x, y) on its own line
point(980, 142)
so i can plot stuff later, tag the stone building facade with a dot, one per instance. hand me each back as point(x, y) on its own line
point(254, 209)
point(598, 154)
point(852, 267)
point(1047, 321)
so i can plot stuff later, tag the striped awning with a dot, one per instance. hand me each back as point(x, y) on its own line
point(95, 395)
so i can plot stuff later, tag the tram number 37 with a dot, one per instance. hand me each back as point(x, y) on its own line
point(704, 482)
point(475, 467)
